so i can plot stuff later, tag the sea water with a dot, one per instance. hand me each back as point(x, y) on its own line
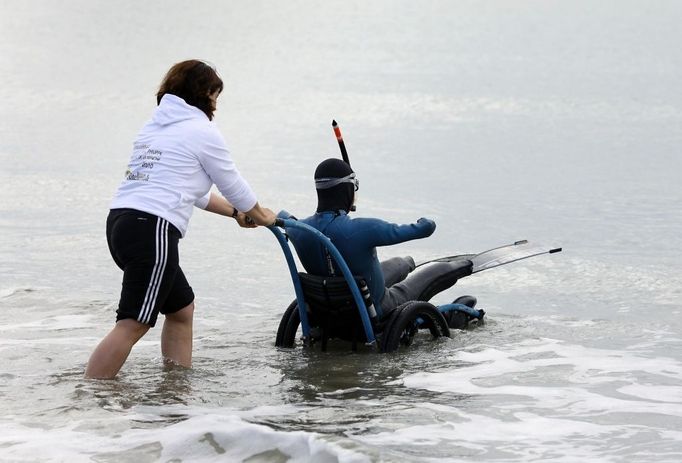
point(557, 122)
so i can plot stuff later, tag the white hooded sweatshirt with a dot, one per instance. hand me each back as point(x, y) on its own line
point(177, 157)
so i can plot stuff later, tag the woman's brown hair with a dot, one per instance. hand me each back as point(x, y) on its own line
point(193, 81)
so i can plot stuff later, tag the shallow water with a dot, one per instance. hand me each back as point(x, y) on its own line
point(557, 122)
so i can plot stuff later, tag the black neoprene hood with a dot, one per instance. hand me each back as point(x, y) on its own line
point(339, 197)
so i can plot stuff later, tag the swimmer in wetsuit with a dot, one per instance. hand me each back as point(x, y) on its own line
point(391, 282)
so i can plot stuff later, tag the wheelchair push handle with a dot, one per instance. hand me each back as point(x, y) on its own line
point(284, 219)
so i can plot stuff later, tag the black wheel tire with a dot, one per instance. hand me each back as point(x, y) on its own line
point(286, 333)
point(402, 326)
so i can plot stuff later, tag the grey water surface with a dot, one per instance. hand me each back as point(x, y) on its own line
point(559, 122)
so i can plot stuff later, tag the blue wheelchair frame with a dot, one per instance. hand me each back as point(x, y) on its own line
point(345, 270)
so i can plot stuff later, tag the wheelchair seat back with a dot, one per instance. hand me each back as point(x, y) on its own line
point(332, 307)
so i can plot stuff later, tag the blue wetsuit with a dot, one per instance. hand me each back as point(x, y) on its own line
point(357, 240)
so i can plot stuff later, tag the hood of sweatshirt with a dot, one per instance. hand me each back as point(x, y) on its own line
point(173, 109)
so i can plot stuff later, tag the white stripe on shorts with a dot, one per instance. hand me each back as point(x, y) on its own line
point(157, 272)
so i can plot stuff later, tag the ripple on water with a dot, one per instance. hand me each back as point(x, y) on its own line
point(558, 398)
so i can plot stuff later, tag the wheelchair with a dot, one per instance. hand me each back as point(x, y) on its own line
point(341, 307)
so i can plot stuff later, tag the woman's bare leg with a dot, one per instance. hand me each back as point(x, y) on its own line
point(112, 352)
point(176, 337)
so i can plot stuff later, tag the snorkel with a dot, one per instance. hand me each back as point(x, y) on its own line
point(342, 147)
point(339, 138)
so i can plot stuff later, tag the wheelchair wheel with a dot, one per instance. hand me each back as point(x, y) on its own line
point(404, 324)
point(286, 333)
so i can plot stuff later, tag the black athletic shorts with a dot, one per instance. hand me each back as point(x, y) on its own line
point(145, 247)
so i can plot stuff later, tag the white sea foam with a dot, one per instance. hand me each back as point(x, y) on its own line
point(657, 393)
point(556, 398)
point(490, 370)
point(200, 438)
point(521, 436)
